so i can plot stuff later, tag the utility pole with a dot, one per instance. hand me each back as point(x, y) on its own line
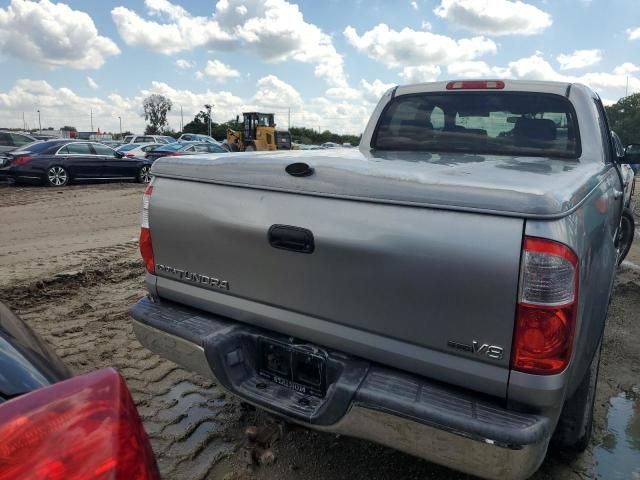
point(24, 124)
point(120, 118)
point(39, 122)
point(91, 113)
point(209, 107)
point(289, 123)
point(626, 91)
point(181, 119)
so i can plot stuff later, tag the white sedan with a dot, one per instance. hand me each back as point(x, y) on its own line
point(137, 149)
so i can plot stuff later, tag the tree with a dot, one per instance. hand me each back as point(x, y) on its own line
point(311, 137)
point(156, 108)
point(624, 118)
point(200, 124)
point(68, 128)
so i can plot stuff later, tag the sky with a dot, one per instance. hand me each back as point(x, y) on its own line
point(323, 62)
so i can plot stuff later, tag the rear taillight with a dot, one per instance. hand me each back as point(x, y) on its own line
point(547, 307)
point(22, 159)
point(85, 428)
point(476, 85)
point(129, 155)
point(146, 248)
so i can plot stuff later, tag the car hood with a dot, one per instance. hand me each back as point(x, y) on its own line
point(501, 184)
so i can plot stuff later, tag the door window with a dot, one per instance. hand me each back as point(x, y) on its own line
point(103, 150)
point(79, 149)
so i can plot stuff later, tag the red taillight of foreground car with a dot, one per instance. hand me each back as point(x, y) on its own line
point(85, 428)
point(547, 307)
point(146, 248)
point(22, 159)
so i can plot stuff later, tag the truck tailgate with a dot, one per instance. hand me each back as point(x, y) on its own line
point(402, 281)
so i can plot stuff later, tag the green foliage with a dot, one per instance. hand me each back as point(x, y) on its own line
point(624, 118)
point(67, 128)
point(311, 137)
point(200, 124)
point(156, 108)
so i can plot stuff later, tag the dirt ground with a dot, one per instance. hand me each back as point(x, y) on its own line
point(69, 266)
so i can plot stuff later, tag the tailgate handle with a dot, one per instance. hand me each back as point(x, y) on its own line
point(295, 239)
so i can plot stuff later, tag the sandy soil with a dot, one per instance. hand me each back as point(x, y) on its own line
point(69, 267)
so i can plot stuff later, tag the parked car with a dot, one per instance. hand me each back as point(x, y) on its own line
point(441, 290)
point(11, 140)
point(58, 162)
point(196, 137)
point(628, 224)
point(112, 143)
point(148, 139)
point(54, 426)
point(138, 149)
point(330, 145)
point(43, 137)
point(185, 148)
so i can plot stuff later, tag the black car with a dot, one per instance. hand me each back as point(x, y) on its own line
point(59, 162)
point(185, 148)
point(56, 426)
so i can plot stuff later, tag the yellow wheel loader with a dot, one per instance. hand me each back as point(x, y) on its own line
point(258, 134)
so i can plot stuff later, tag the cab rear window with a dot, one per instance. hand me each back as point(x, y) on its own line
point(509, 123)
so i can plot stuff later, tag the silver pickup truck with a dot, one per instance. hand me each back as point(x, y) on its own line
point(442, 289)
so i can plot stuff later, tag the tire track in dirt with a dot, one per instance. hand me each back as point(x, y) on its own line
point(191, 422)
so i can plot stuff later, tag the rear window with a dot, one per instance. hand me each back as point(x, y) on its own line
point(506, 123)
point(38, 147)
point(127, 147)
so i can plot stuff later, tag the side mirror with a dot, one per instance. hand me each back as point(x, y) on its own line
point(632, 154)
point(119, 154)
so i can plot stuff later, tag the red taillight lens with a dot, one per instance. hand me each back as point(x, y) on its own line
point(22, 159)
point(547, 307)
point(476, 85)
point(146, 248)
point(85, 428)
point(129, 155)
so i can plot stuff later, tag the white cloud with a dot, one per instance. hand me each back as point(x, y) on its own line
point(495, 17)
point(92, 83)
point(535, 67)
point(414, 5)
point(273, 92)
point(52, 34)
point(626, 68)
point(579, 59)
point(198, 75)
point(58, 106)
point(273, 30)
point(471, 69)
point(425, 73)
point(426, 25)
point(374, 90)
point(344, 93)
point(184, 64)
point(634, 34)
point(61, 106)
point(219, 71)
point(409, 47)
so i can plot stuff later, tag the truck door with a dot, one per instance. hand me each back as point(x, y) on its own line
point(615, 198)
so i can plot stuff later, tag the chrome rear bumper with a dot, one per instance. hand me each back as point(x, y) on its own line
point(408, 413)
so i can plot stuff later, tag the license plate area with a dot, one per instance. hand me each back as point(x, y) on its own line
point(294, 367)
